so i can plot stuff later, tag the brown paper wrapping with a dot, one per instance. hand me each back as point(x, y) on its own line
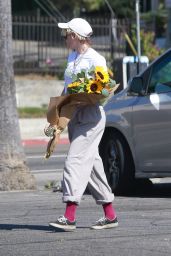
point(61, 109)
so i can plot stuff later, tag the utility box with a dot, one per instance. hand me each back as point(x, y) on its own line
point(131, 67)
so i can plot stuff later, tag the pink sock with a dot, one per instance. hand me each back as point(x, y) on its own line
point(109, 211)
point(70, 211)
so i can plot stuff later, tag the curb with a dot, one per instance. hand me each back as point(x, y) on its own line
point(32, 133)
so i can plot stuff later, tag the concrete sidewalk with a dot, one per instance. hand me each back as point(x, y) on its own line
point(36, 93)
point(32, 131)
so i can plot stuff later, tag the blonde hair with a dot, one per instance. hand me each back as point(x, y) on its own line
point(81, 38)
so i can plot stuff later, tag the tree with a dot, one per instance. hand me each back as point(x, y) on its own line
point(97, 6)
point(14, 174)
point(122, 8)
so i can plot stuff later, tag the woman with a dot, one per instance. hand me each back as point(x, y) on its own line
point(83, 165)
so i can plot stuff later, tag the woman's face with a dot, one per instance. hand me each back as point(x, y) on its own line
point(71, 41)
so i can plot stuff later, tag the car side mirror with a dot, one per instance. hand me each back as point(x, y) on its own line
point(136, 87)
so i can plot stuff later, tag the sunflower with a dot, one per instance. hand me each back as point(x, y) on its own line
point(94, 87)
point(101, 74)
point(74, 84)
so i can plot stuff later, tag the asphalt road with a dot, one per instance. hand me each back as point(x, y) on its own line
point(144, 220)
point(48, 170)
point(51, 169)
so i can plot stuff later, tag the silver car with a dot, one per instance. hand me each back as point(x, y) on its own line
point(137, 138)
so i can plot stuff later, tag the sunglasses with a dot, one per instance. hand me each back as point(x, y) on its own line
point(65, 33)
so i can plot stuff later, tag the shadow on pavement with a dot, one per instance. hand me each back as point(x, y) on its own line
point(23, 226)
point(140, 188)
point(34, 227)
point(146, 188)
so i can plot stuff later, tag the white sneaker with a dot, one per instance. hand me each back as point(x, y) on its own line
point(105, 223)
point(64, 224)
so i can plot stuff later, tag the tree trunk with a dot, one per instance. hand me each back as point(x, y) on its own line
point(14, 174)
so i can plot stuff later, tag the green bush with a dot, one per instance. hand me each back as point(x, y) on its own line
point(148, 47)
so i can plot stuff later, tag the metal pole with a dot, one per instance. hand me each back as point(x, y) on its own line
point(111, 31)
point(138, 33)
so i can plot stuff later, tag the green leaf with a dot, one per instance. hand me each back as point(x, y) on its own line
point(105, 92)
point(81, 90)
point(81, 75)
point(112, 83)
point(84, 71)
point(91, 71)
point(81, 85)
point(74, 78)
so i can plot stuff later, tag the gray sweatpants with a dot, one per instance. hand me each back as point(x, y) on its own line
point(83, 165)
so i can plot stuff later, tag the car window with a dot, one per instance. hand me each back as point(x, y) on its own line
point(160, 81)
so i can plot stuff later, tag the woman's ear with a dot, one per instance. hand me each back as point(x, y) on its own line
point(73, 36)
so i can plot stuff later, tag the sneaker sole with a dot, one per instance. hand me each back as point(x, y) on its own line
point(66, 228)
point(112, 225)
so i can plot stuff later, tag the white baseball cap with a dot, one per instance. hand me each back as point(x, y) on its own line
point(79, 26)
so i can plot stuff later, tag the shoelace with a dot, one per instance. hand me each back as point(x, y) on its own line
point(101, 220)
point(62, 219)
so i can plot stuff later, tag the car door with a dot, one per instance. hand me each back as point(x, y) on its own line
point(151, 119)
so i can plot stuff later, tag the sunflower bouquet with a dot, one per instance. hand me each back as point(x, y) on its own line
point(96, 81)
point(87, 88)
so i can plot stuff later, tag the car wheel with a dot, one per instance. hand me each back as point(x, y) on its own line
point(117, 161)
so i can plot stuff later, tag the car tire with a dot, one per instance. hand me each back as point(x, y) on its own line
point(117, 161)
